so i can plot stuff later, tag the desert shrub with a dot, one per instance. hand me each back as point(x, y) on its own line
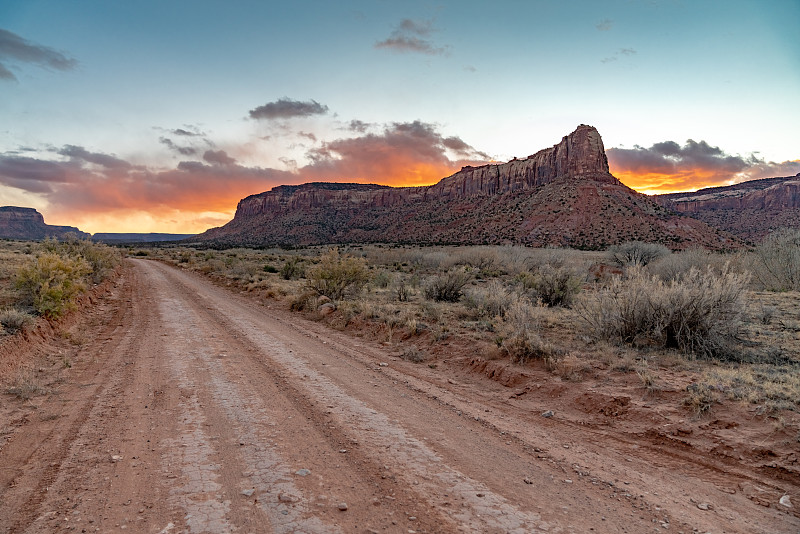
point(447, 287)
point(778, 257)
point(382, 279)
point(636, 253)
point(700, 314)
point(270, 268)
point(413, 354)
point(401, 291)
point(51, 282)
point(336, 274)
point(490, 300)
point(676, 266)
point(521, 340)
point(101, 258)
point(292, 269)
point(556, 286)
point(14, 320)
point(307, 300)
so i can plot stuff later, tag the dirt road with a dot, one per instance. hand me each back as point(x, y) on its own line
point(192, 409)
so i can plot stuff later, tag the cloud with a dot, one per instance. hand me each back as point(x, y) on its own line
point(622, 52)
point(185, 133)
point(409, 153)
point(220, 157)
point(286, 108)
point(104, 160)
point(412, 36)
point(15, 48)
point(670, 166)
point(308, 135)
point(356, 125)
point(604, 25)
point(183, 150)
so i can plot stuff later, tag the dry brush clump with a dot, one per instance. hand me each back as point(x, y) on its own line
point(778, 261)
point(636, 253)
point(336, 274)
point(699, 314)
point(447, 287)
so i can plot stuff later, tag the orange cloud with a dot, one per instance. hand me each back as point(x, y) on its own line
point(669, 167)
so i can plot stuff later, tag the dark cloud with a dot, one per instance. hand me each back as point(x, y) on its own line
point(604, 25)
point(219, 157)
point(185, 133)
point(412, 36)
point(286, 108)
point(80, 153)
point(183, 150)
point(671, 166)
point(15, 48)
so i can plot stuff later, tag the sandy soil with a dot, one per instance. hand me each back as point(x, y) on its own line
point(191, 409)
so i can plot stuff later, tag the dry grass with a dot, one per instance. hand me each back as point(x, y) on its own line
point(499, 309)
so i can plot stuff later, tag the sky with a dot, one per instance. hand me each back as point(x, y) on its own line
point(159, 116)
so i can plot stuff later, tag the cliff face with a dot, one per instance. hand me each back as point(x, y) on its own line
point(28, 224)
point(750, 210)
point(563, 195)
point(578, 155)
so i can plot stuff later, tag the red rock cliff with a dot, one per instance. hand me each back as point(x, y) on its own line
point(578, 155)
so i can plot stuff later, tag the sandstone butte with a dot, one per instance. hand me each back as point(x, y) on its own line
point(28, 224)
point(559, 196)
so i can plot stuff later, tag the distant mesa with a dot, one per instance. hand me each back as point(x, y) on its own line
point(749, 210)
point(131, 238)
point(559, 196)
point(28, 224)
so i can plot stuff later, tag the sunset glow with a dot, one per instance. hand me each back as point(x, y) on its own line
point(151, 118)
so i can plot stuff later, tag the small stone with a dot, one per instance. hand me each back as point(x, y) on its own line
point(383, 364)
point(548, 414)
point(343, 451)
point(785, 501)
point(116, 458)
point(527, 480)
point(705, 506)
point(287, 498)
point(342, 506)
point(302, 472)
point(412, 518)
point(248, 492)
point(568, 481)
point(480, 494)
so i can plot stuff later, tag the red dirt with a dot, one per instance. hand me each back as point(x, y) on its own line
point(191, 409)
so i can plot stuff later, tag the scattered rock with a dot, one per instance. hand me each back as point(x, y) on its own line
point(342, 506)
point(705, 506)
point(527, 480)
point(343, 451)
point(785, 501)
point(248, 492)
point(302, 472)
point(116, 458)
point(287, 497)
point(548, 413)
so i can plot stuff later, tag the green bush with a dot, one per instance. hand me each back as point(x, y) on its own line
point(270, 269)
point(336, 274)
point(50, 282)
point(447, 287)
point(292, 269)
point(700, 314)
